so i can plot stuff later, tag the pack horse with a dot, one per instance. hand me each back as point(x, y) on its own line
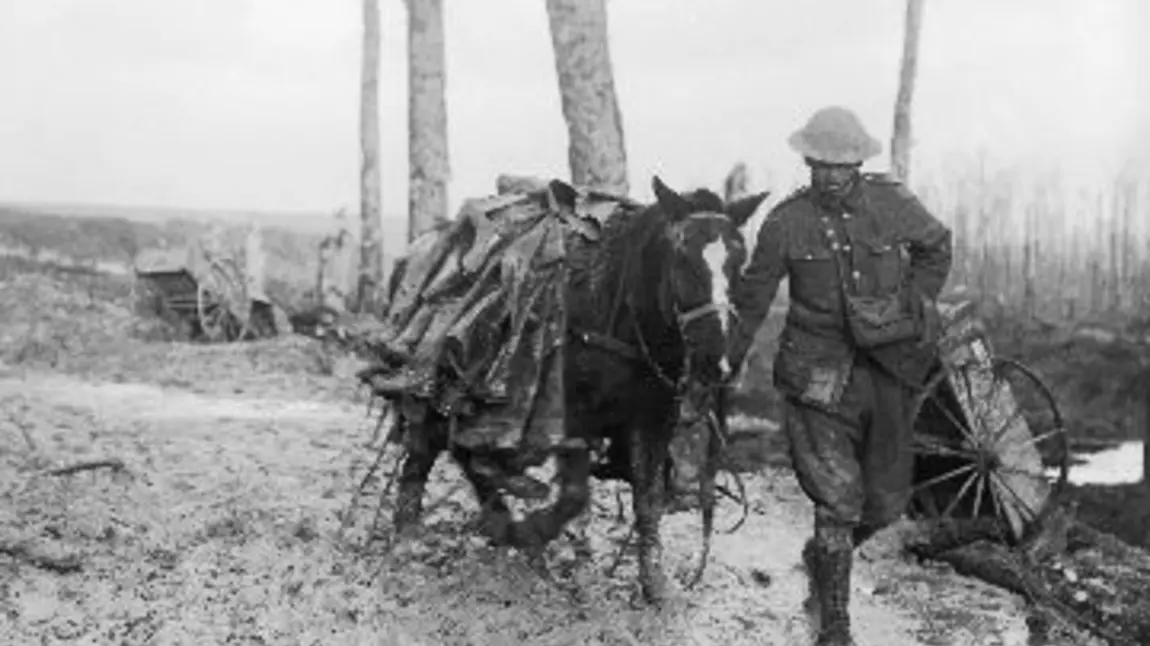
point(565, 323)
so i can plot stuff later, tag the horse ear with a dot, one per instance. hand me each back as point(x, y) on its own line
point(564, 194)
point(675, 206)
point(742, 209)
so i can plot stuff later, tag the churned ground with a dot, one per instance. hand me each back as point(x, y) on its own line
point(224, 528)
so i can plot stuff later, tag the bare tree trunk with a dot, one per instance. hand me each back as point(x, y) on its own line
point(901, 139)
point(371, 235)
point(596, 150)
point(428, 171)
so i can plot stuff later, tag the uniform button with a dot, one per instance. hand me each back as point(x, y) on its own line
point(834, 246)
point(855, 275)
point(846, 247)
point(831, 232)
point(846, 216)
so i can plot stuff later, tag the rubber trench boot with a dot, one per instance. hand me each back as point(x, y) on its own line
point(835, 588)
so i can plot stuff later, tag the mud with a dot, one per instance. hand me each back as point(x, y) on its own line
point(224, 528)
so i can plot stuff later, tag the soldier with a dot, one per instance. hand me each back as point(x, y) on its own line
point(866, 262)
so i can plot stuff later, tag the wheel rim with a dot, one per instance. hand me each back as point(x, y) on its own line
point(1005, 429)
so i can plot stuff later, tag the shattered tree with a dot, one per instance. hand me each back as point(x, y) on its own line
point(901, 139)
point(428, 167)
point(596, 149)
point(371, 217)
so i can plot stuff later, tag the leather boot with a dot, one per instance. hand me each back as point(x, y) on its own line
point(835, 588)
point(812, 605)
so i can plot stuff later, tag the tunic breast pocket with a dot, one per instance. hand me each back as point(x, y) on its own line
point(812, 271)
point(882, 269)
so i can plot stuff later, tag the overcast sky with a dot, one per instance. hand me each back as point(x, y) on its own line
point(253, 104)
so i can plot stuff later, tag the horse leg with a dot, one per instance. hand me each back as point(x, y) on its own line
point(650, 448)
point(541, 527)
point(495, 517)
point(422, 451)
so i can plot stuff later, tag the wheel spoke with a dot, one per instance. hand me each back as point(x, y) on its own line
point(1040, 475)
point(1022, 505)
point(999, 511)
point(946, 476)
point(978, 497)
point(976, 476)
point(944, 450)
point(962, 427)
point(1036, 438)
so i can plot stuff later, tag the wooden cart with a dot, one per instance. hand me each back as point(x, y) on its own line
point(215, 300)
point(989, 438)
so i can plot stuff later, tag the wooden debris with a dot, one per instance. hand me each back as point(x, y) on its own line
point(1084, 576)
point(115, 464)
point(23, 551)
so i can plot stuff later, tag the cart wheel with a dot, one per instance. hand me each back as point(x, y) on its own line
point(216, 322)
point(222, 303)
point(990, 442)
point(229, 281)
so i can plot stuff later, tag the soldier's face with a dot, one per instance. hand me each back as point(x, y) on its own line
point(832, 180)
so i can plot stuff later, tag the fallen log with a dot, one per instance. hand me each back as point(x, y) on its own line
point(1084, 576)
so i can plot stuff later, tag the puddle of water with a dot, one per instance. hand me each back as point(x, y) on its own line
point(1119, 465)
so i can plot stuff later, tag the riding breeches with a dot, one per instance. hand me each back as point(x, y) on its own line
point(855, 460)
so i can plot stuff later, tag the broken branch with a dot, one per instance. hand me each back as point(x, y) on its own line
point(115, 464)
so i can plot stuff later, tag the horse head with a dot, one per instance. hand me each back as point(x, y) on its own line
point(700, 258)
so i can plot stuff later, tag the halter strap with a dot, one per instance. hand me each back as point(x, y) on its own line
point(703, 310)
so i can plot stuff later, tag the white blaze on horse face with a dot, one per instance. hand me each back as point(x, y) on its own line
point(715, 255)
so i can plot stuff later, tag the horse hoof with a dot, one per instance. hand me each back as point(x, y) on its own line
point(667, 602)
point(659, 593)
point(403, 524)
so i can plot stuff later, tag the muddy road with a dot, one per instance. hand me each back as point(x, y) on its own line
point(224, 528)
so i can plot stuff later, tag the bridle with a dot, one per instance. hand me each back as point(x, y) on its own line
point(682, 320)
point(694, 313)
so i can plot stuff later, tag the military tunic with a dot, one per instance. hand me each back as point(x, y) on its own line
point(847, 410)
